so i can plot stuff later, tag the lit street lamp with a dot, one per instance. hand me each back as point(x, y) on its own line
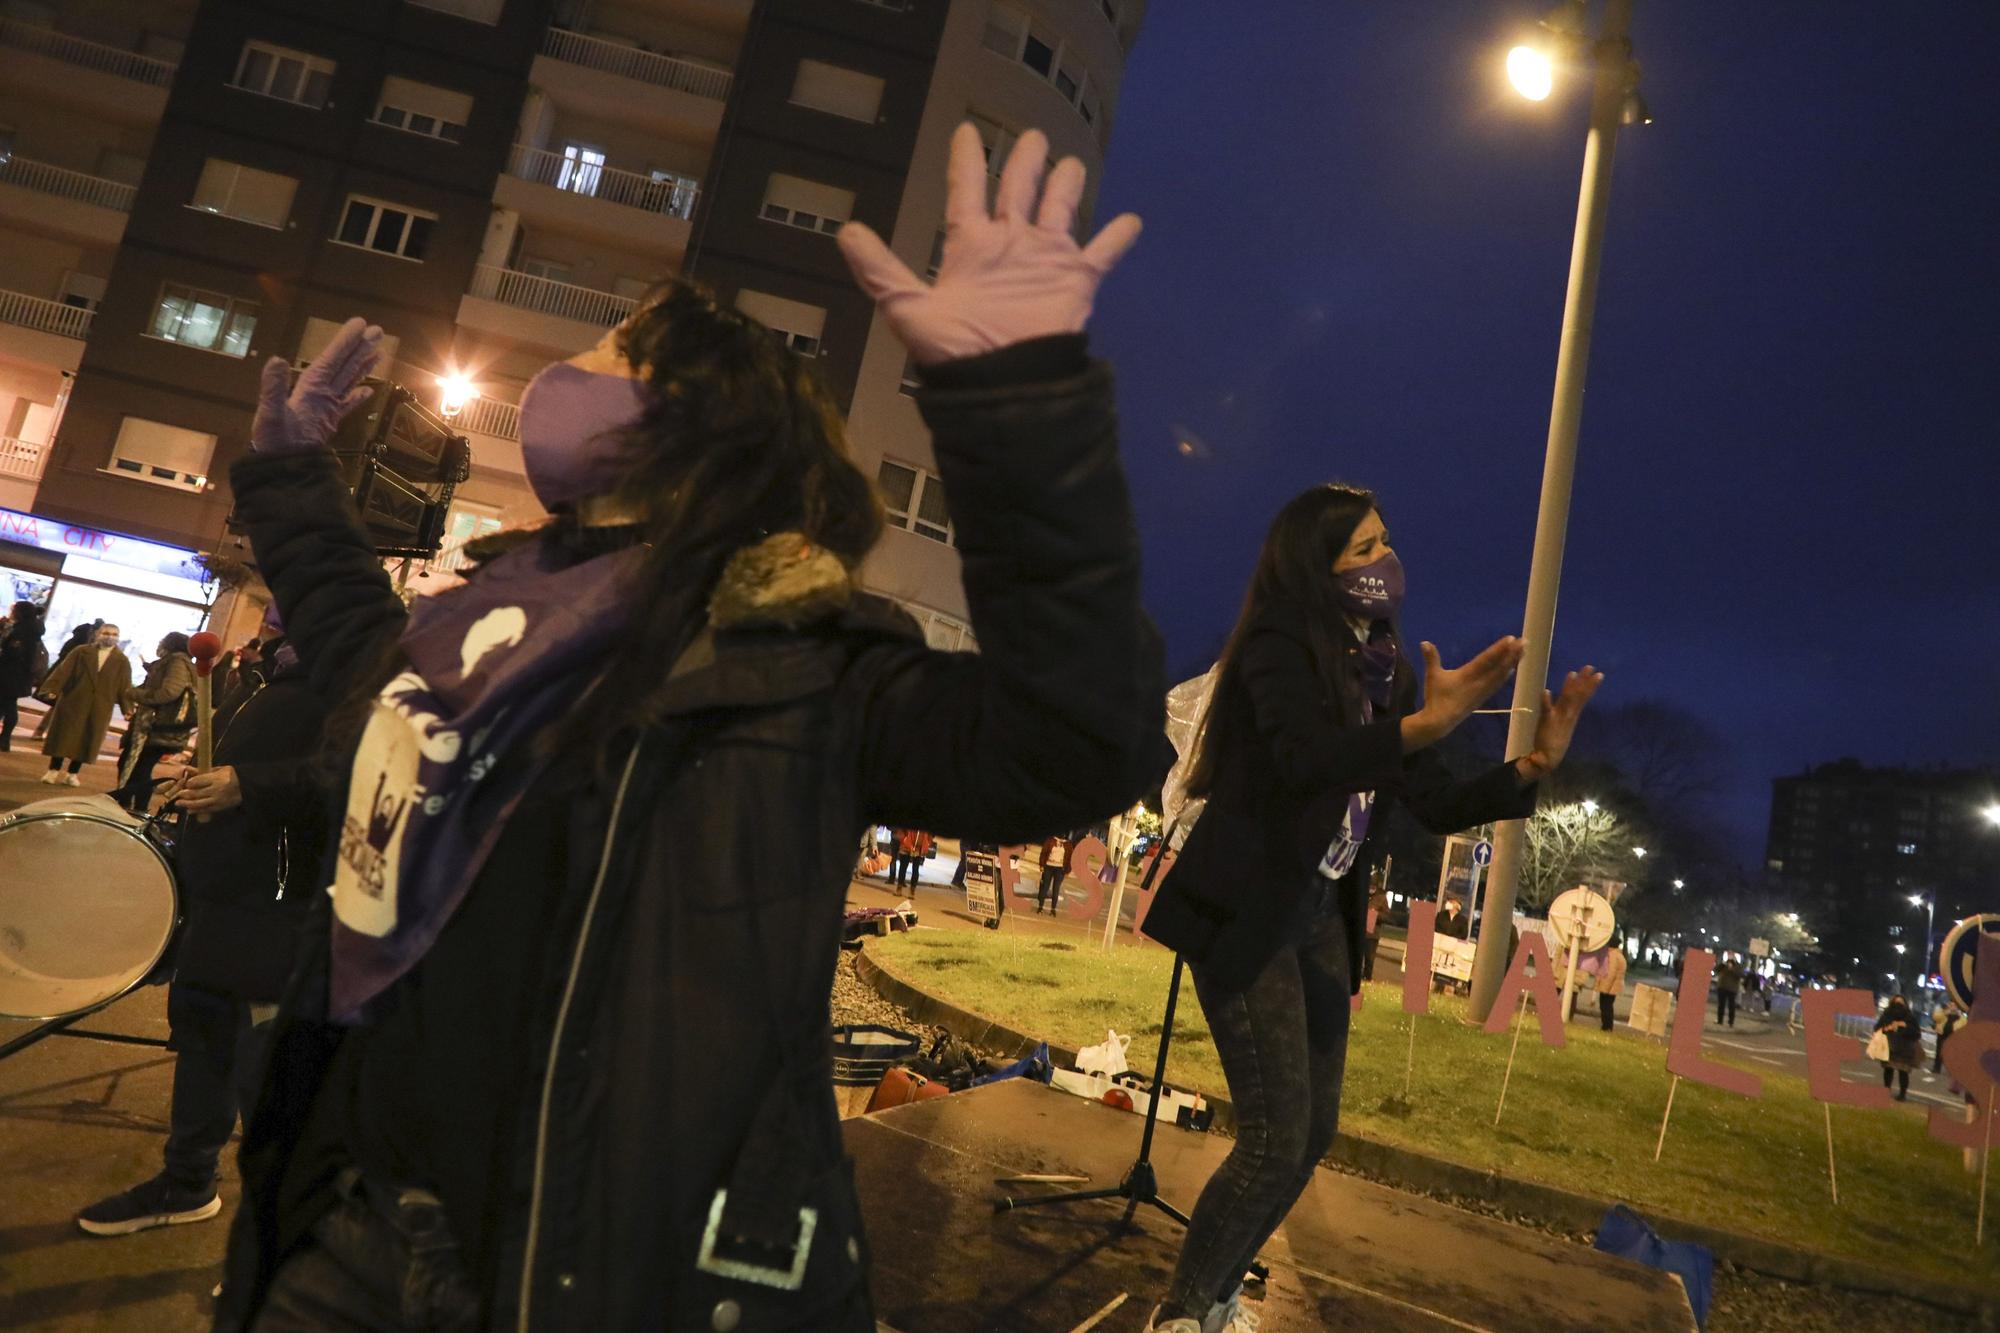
point(1680, 884)
point(1930, 921)
point(1614, 101)
point(1639, 852)
point(1992, 813)
point(454, 392)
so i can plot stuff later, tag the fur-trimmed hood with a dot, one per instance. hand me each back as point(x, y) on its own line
point(782, 582)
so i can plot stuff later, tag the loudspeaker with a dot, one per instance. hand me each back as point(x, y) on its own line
point(402, 461)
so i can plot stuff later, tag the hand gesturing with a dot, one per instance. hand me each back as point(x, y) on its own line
point(298, 418)
point(1557, 724)
point(1007, 276)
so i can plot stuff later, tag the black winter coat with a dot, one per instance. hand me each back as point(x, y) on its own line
point(248, 874)
point(685, 1029)
point(17, 660)
point(1278, 800)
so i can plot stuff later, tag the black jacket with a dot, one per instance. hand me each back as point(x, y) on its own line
point(1278, 799)
point(248, 873)
point(18, 659)
point(682, 1043)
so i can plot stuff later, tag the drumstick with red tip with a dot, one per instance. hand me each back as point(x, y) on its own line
point(204, 648)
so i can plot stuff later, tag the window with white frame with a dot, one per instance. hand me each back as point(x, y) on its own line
point(582, 168)
point(319, 332)
point(837, 91)
point(798, 325)
point(913, 499)
point(807, 205)
point(280, 72)
point(390, 229)
point(1012, 34)
point(164, 455)
point(204, 320)
point(999, 141)
point(421, 108)
point(232, 190)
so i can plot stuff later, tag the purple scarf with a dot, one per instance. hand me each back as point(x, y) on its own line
point(1379, 656)
point(447, 754)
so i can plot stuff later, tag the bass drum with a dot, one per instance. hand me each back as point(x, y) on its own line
point(87, 906)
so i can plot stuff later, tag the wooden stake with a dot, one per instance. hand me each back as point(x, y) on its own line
point(1410, 1063)
point(1668, 1116)
point(1985, 1160)
point(1831, 1178)
point(1519, 1018)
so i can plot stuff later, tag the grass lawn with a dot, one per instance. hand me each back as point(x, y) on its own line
point(1583, 1118)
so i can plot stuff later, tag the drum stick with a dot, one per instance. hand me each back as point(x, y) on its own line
point(204, 648)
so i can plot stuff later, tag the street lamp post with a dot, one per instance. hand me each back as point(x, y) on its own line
point(1930, 922)
point(1616, 76)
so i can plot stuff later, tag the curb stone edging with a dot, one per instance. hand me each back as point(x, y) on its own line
point(1544, 1203)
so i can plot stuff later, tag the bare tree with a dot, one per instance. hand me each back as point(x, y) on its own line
point(1672, 759)
point(1569, 842)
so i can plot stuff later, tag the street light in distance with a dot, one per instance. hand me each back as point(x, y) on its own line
point(1992, 813)
point(1639, 852)
point(1680, 884)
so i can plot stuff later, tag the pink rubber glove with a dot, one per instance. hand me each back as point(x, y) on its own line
point(1008, 277)
point(297, 419)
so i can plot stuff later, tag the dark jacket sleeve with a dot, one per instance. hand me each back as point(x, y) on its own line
point(341, 611)
point(169, 679)
point(1314, 753)
point(1059, 718)
point(1444, 804)
point(281, 792)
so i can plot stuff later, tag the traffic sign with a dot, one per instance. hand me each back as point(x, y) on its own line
point(1482, 855)
point(1960, 952)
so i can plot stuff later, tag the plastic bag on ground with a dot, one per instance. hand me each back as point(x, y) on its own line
point(1107, 1057)
point(1629, 1236)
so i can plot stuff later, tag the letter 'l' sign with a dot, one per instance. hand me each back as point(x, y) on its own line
point(1542, 985)
point(1690, 1008)
point(1826, 1048)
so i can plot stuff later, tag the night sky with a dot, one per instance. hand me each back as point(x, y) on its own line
point(1356, 244)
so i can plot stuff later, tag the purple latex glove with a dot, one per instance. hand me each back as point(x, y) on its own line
point(1006, 277)
point(297, 419)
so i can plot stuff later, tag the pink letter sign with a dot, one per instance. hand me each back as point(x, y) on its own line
point(1826, 1048)
point(1080, 854)
point(1973, 1055)
point(1417, 958)
point(1684, 1056)
point(1548, 1000)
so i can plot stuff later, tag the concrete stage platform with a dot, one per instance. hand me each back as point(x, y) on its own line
point(1353, 1255)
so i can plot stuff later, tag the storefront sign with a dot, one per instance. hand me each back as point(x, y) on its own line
point(72, 539)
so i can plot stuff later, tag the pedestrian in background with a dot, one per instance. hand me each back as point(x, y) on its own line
point(1728, 984)
point(1610, 983)
point(1055, 869)
point(1946, 1019)
point(159, 719)
point(24, 661)
point(83, 688)
point(1452, 921)
point(1898, 1022)
point(912, 847)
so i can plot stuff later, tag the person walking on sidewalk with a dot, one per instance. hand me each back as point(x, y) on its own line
point(24, 662)
point(159, 719)
point(245, 860)
point(913, 848)
point(84, 687)
point(1610, 983)
point(1314, 713)
point(1898, 1023)
point(1728, 984)
point(1055, 869)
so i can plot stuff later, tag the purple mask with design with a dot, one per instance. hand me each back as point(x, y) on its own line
point(572, 423)
point(1373, 592)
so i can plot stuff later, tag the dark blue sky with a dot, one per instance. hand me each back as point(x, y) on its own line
point(1353, 267)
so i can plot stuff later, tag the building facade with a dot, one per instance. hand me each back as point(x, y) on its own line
point(1852, 845)
point(192, 186)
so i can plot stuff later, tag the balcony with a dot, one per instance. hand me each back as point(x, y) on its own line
point(42, 332)
point(68, 205)
point(674, 96)
point(91, 76)
point(490, 416)
point(633, 211)
point(539, 312)
point(22, 460)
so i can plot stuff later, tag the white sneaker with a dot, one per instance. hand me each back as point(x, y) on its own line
point(72, 780)
point(1230, 1317)
point(1172, 1325)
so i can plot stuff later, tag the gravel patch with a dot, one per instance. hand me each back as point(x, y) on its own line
point(855, 1001)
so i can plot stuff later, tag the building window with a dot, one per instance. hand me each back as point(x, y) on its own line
point(232, 190)
point(208, 321)
point(1906, 848)
point(1010, 33)
point(164, 455)
point(807, 205)
point(840, 92)
point(999, 141)
point(390, 229)
point(914, 500)
point(797, 324)
point(82, 290)
point(319, 332)
point(582, 169)
point(420, 108)
point(290, 76)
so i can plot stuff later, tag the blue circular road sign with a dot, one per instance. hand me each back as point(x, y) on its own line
point(1482, 854)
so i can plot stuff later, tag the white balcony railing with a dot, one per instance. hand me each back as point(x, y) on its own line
point(23, 460)
point(80, 51)
point(490, 416)
point(44, 315)
point(549, 297)
point(666, 193)
point(67, 184)
point(686, 76)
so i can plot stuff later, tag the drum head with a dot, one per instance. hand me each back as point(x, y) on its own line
point(87, 906)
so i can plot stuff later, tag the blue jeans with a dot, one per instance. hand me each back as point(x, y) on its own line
point(1283, 1045)
point(218, 1063)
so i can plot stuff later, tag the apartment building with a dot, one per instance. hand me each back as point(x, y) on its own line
point(191, 186)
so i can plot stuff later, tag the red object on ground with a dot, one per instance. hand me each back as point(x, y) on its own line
point(204, 648)
point(1119, 1098)
point(900, 1086)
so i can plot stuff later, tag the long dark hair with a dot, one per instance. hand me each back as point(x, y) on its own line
point(1295, 568)
point(741, 439)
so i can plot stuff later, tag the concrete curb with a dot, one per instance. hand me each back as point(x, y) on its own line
point(1544, 1203)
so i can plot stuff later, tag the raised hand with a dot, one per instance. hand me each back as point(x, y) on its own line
point(1451, 695)
point(296, 419)
point(1007, 276)
point(1557, 724)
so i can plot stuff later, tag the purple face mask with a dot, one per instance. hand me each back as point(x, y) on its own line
point(1374, 591)
point(571, 422)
